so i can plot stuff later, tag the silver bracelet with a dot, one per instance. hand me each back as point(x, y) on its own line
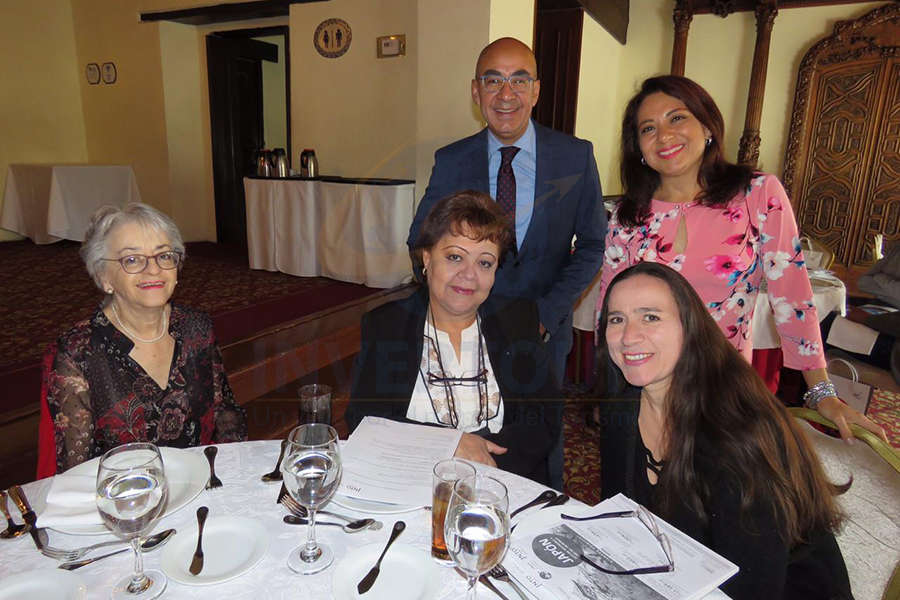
point(817, 392)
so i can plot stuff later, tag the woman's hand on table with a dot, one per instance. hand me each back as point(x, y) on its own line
point(477, 449)
point(843, 415)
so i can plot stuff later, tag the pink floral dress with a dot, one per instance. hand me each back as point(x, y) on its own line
point(729, 250)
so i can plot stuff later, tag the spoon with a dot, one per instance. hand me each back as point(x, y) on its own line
point(352, 527)
point(275, 475)
point(546, 496)
point(12, 528)
point(151, 543)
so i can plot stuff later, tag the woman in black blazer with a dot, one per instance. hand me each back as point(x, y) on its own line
point(484, 369)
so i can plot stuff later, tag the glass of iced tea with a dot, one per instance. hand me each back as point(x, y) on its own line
point(445, 475)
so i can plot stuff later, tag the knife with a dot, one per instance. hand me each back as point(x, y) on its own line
point(369, 580)
point(38, 535)
point(197, 561)
point(489, 585)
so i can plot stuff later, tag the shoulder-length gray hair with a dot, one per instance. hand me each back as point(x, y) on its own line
point(107, 218)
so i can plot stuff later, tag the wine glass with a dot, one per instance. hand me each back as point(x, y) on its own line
point(131, 494)
point(477, 527)
point(312, 471)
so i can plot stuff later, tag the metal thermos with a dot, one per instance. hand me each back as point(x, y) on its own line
point(309, 165)
point(263, 166)
point(279, 163)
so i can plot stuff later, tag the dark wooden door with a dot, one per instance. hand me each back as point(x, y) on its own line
point(557, 48)
point(236, 122)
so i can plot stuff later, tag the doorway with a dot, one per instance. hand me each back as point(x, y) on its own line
point(241, 100)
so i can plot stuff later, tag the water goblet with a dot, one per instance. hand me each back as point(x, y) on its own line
point(311, 470)
point(132, 493)
point(476, 530)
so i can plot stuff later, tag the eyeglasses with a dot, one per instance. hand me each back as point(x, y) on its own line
point(137, 263)
point(476, 379)
point(647, 520)
point(517, 83)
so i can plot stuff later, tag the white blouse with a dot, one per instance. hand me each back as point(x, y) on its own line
point(430, 402)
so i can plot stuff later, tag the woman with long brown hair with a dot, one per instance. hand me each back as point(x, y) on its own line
point(709, 448)
point(723, 226)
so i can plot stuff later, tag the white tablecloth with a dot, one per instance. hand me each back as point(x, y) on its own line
point(239, 466)
point(829, 294)
point(345, 231)
point(51, 202)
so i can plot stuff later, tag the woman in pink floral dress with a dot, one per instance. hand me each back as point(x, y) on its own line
point(723, 226)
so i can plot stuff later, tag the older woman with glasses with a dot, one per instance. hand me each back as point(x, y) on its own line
point(709, 448)
point(141, 368)
point(451, 356)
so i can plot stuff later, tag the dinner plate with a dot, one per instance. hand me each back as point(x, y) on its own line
point(231, 547)
point(372, 507)
point(407, 573)
point(186, 473)
point(43, 584)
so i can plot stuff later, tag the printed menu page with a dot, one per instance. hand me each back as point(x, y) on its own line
point(547, 557)
point(388, 461)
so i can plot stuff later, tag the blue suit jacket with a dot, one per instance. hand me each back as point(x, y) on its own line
point(568, 202)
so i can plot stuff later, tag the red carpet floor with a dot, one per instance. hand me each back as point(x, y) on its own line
point(46, 289)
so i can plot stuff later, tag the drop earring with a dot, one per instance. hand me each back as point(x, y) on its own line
point(644, 162)
point(708, 142)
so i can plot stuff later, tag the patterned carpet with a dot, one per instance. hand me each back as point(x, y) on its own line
point(884, 409)
point(581, 453)
point(46, 290)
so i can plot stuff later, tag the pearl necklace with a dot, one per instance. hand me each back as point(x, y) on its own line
point(132, 335)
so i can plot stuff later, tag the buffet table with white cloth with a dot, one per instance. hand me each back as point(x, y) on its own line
point(346, 229)
point(244, 495)
point(51, 202)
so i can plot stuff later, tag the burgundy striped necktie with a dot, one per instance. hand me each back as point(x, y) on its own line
point(506, 183)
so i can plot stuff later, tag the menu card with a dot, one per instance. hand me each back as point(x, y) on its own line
point(545, 557)
point(392, 462)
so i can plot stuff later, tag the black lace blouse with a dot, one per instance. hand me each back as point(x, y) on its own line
point(99, 397)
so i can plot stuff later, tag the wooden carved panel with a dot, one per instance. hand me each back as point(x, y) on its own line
point(835, 162)
point(882, 212)
point(842, 162)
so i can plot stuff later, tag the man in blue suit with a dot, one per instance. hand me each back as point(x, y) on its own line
point(552, 194)
point(557, 192)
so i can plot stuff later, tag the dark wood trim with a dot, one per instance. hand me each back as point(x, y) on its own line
point(723, 8)
point(748, 152)
point(225, 13)
point(682, 15)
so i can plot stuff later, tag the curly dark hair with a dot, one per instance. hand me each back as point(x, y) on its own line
point(719, 179)
point(717, 395)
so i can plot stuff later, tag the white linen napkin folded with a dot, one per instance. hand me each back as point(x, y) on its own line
point(71, 502)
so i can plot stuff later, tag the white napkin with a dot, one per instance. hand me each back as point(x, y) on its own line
point(71, 502)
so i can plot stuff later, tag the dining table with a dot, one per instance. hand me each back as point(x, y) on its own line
point(245, 495)
point(47, 203)
point(348, 229)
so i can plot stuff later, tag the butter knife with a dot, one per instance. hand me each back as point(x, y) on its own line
point(197, 561)
point(490, 585)
point(18, 496)
point(369, 580)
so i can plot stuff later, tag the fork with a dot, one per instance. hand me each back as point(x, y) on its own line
point(299, 510)
point(214, 482)
point(76, 553)
point(499, 572)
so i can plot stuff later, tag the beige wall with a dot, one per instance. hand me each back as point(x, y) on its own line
point(357, 111)
point(41, 118)
point(719, 57)
point(274, 99)
point(512, 18)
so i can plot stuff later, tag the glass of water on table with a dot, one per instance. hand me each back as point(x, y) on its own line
point(131, 495)
point(312, 471)
point(476, 529)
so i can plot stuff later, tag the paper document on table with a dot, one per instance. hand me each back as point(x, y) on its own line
point(387, 461)
point(545, 556)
